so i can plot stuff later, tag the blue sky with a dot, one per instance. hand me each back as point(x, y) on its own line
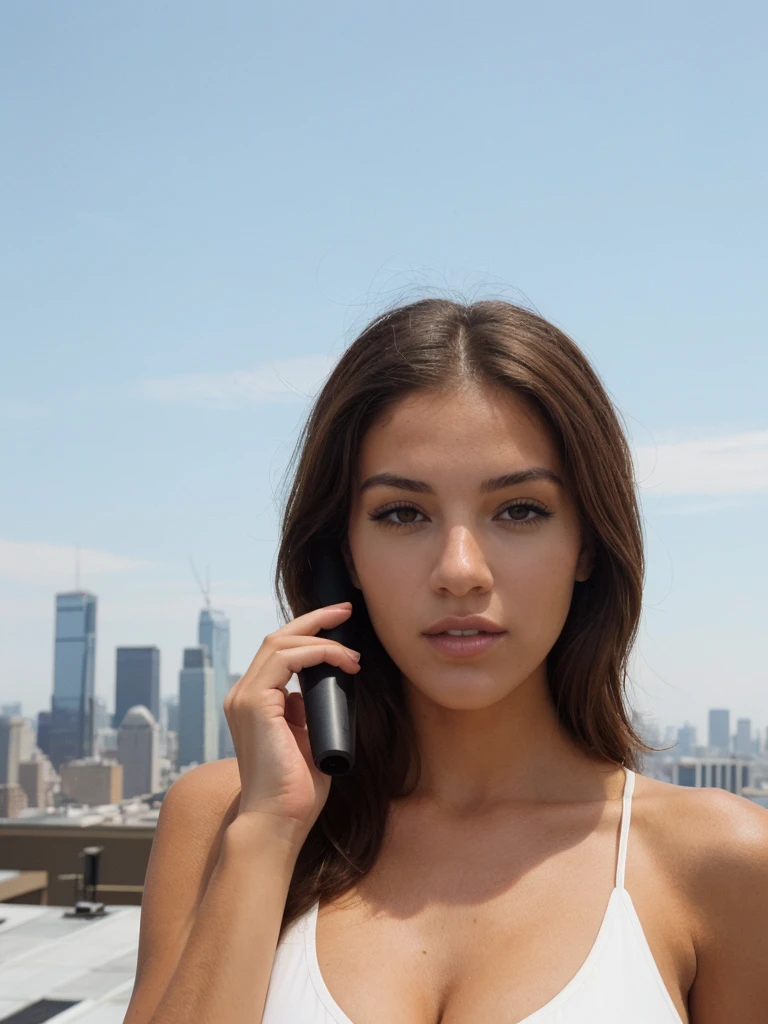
point(203, 204)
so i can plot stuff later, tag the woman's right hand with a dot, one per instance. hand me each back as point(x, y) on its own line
point(278, 778)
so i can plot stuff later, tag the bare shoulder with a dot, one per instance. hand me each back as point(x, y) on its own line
point(212, 790)
point(194, 816)
point(701, 832)
point(715, 845)
point(197, 809)
point(707, 828)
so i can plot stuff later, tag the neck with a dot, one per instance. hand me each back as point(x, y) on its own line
point(516, 750)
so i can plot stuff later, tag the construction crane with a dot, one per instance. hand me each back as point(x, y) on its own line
point(205, 588)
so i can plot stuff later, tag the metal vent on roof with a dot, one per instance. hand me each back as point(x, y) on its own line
point(42, 1010)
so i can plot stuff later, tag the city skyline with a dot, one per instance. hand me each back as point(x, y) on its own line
point(137, 672)
point(77, 752)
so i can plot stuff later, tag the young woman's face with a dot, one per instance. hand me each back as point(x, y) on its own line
point(438, 544)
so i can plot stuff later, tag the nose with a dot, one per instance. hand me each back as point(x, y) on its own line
point(462, 566)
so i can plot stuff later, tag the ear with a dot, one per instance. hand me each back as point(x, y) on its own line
point(586, 560)
point(346, 554)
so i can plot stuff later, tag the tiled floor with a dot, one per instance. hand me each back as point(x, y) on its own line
point(44, 955)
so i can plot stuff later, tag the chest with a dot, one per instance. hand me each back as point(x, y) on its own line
point(463, 929)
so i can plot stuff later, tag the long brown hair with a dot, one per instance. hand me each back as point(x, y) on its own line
point(434, 345)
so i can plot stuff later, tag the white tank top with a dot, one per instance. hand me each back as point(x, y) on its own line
point(618, 982)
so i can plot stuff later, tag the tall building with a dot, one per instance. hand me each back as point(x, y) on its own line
point(137, 681)
point(137, 752)
point(213, 634)
point(44, 731)
point(171, 713)
point(686, 740)
point(10, 749)
point(101, 717)
point(32, 779)
point(743, 742)
point(73, 677)
point(720, 732)
point(28, 746)
point(198, 720)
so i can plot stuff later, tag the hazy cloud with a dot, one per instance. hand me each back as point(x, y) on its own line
point(52, 562)
point(731, 464)
point(286, 380)
point(734, 464)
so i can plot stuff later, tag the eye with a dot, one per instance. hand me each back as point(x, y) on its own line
point(381, 515)
point(526, 507)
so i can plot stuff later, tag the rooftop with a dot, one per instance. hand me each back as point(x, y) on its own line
point(70, 969)
point(135, 814)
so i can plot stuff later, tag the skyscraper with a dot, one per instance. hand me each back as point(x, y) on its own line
point(720, 731)
point(198, 722)
point(213, 635)
point(171, 713)
point(137, 681)
point(101, 717)
point(743, 745)
point(137, 752)
point(71, 733)
point(44, 731)
point(10, 748)
point(686, 740)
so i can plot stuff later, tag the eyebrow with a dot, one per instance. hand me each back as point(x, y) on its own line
point(496, 483)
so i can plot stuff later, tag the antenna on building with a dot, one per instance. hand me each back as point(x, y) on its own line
point(205, 588)
point(77, 568)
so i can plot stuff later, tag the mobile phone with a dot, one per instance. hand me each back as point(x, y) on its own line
point(330, 696)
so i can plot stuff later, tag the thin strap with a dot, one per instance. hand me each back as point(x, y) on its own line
point(626, 813)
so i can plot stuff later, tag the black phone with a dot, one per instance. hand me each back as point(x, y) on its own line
point(330, 696)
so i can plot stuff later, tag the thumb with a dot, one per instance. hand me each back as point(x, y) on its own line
point(295, 713)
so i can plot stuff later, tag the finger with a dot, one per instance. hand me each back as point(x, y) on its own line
point(311, 622)
point(279, 642)
point(305, 625)
point(276, 641)
point(278, 668)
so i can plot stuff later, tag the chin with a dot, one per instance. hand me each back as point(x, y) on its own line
point(464, 693)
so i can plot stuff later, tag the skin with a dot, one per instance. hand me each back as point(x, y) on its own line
point(512, 829)
point(486, 726)
point(503, 788)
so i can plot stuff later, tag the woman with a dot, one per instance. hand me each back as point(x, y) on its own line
point(477, 863)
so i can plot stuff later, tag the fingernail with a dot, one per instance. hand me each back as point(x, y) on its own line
point(355, 654)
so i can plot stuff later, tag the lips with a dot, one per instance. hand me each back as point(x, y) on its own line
point(446, 632)
point(485, 625)
point(463, 646)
